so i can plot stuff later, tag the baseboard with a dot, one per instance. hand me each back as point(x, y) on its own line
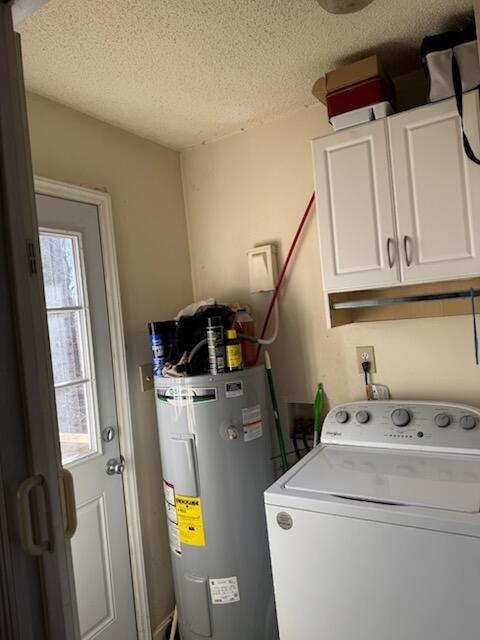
point(159, 632)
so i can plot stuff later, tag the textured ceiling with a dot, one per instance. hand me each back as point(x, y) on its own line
point(180, 72)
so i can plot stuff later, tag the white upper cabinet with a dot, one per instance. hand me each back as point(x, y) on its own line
point(437, 191)
point(354, 208)
point(406, 175)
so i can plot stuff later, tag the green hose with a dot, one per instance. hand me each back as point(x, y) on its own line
point(276, 414)
point(317, 412)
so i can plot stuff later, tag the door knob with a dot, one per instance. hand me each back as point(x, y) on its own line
point(115, 466)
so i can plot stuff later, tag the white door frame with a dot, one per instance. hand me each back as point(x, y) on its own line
point(103, 202)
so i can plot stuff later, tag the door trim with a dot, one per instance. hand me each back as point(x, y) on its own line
point(103, 202)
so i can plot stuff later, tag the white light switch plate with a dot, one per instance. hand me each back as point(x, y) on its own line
point(146, 376)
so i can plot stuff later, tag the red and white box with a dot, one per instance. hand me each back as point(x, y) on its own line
point(361, 94)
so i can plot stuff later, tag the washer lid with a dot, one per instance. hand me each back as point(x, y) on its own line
point(415, 479)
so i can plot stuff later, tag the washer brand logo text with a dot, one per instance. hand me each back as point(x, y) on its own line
point(334, 433)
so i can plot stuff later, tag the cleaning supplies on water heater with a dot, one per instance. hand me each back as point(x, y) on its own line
point(216, 348)
point(162, 337)
point(192, 332)
point(179, 347)
point(244, 325)
point(233, 351)
point(212, 338)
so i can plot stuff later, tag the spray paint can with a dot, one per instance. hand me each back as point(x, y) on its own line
point(162, 334)
point(216, 347)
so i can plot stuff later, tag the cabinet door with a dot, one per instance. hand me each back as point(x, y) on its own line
point(437, 191)
point(354, 209)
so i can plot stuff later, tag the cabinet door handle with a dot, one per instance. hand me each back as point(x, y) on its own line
point(69, 503)
point(391, 256)
point(24, 517)
point(406, 241)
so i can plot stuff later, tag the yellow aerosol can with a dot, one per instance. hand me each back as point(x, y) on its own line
point(233, 351)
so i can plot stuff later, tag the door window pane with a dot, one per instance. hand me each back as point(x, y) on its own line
point(71, 348)
point(58, 261)
point(73, 421)
point(65, 345)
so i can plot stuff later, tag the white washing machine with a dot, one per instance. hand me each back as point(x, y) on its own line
point(375, 534)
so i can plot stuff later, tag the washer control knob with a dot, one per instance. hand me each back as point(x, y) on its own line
point(442, 420)
point(400, 417)
point(342, 416)
point(362, 417)
point(467, 422)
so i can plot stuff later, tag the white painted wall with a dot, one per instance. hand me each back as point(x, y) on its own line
point(252, 188)
point(143, 179)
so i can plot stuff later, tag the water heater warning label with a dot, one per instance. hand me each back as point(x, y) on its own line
point(252, 423)
point(190, 521)
point(172, 520)
point(224, 590)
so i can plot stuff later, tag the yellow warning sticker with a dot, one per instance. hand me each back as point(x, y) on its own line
point(190, 521)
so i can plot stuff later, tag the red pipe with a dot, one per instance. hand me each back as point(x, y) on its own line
point(283, 271)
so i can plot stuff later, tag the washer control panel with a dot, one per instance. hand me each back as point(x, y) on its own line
point(404, 424)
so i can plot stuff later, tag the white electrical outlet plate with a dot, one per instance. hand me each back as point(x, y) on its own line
point(366, 354)
point(146, 376)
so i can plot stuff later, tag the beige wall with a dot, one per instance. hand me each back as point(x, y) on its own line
point(144, 182)
point(252, 188)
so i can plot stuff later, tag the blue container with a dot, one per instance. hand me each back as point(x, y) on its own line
point(162, 336)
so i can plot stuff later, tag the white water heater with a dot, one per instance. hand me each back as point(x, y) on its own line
point(215, 441)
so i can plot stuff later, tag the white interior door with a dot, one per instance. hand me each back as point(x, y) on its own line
point(437, 191)
point(355, 208)
point(85, 397)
